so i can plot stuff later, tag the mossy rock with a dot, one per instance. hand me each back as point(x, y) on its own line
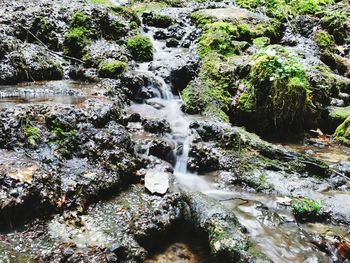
point(45, 30)
point(308, 210)
point(336, 22)
point(300, 7)
point(261, 42)
point(324, 40)
point(157, 20)
point(32, 135)
point(282, 9)
point(218, 38)
point(225, 38)
point(272, 8)
point(78, 35)
point(211, 93)
point(201, 19)
point(342, 133)
point(340, 113)
point(141, 48)
point(276, 94)
point(112, 68)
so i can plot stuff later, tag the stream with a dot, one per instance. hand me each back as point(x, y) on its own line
point(268, 222)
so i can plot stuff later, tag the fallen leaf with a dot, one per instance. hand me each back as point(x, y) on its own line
point(344, 249)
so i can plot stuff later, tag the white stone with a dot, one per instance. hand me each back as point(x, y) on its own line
point(157, 182)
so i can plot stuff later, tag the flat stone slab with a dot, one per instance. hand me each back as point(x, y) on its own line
point(233, 13)
point(157, 182)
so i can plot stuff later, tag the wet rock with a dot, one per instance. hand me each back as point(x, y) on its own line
point(135, 117)
point(28, 62)
point(163, 150)
point(208, 131)
point(344, 168)
point(141, 86)
point(102, 50)
point(226, 239)
point(156, 20)
point(85, 74)
point(183, 72)
point(156, 126)
point(203, 159)
point(336, 116)
point(157, 182)
point(306, 24)
point(172, 42)
point(155, 223)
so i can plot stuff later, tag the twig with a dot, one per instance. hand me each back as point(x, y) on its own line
point(49, 50)
point(340, 174)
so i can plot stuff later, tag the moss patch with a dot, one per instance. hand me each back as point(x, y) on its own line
point(276, 94)
point(210, 94)
point(342, 133)
point(324, 40)
point(64, 142)
point(226, 38)
point(141, 48)
point(33, 136)
point(157, 20)
point(112, 68)
point(282, 9)
point(78, 35)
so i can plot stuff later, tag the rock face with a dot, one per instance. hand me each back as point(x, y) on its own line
point(35, 35)
point(157, 182)
point(80, 153)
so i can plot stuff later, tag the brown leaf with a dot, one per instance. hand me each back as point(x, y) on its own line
point(344, 249)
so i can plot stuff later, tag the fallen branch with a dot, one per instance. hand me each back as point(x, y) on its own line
point(49, 50)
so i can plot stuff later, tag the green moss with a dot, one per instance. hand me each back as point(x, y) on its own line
point(33, 135)
point(324, 85)
point(273, 8)
point(141, 48)
point(45, 30)
point(302, 206)
point(277, 94)
point(223, 37)
point(161, 21)
point(79, 19)
point(324, 40)
point(201, 19)
point(339, 113)
point(335, 22)
point(142, 7)
point(261, 42)
point(64, 141)
point(281, 9)
point(101, 2)
point(342, 133)
point(210, 94)
point(306, 6)
point(134, 25)
point(78, 35)
point(112, 68)
point(128, 13)
point(218, 38)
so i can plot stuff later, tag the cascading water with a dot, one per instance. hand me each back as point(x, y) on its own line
point(276, 241)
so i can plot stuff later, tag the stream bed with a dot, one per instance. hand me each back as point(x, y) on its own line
point(101, 172)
